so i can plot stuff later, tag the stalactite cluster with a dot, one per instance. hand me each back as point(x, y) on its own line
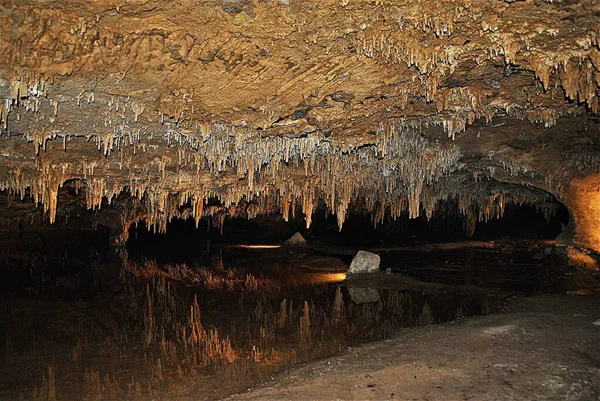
point(200, 110)
point(237, 166)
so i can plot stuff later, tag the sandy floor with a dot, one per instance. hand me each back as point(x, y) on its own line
point(543, 347)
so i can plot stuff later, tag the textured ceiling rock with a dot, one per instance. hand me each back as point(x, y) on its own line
point(201, 108)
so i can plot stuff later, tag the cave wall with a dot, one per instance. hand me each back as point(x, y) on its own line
point(583, 201)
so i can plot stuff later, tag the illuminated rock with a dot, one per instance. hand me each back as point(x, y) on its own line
point(583, 201)
point(364, 262)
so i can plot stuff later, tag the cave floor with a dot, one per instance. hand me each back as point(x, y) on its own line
point(540, 347)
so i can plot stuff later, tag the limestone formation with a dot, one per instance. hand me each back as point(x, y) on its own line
point(296, 240)
point(211, 110)
point(364, 262)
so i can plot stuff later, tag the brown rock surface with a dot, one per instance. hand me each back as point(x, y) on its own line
point(239, 107)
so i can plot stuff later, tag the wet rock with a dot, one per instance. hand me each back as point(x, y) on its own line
point(296, 240)
point(363, 295)
point(364, 262)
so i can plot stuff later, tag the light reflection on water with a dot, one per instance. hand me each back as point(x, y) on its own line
point(329, 278)
point(259, 246)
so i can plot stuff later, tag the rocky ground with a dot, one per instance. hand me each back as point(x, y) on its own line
point(543, 347)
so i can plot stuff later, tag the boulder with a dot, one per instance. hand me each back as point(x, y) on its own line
point(296, 240)
point(364, 262)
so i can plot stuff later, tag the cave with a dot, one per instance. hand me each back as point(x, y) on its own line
point(299, 199)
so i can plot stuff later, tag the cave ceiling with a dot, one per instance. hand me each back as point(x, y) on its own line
point(205, 108)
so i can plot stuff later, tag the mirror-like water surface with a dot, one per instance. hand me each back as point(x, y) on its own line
point(94, 328)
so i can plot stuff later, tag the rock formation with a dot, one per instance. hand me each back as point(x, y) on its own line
point(234, 108)
point(364, 262)
point(295, 241)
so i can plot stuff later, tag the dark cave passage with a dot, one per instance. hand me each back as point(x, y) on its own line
point(183, 241)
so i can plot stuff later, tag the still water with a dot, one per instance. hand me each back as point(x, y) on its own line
point(82, 326)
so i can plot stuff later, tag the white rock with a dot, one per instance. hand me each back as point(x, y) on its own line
point(596, 323)
point(364, 262)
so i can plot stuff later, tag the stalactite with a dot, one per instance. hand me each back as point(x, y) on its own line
point(250, 172)
point(306, 171)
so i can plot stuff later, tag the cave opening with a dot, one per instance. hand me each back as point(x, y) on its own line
point(184, 240)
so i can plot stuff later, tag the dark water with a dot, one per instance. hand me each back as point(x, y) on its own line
point(510, 266)
point(85, 326)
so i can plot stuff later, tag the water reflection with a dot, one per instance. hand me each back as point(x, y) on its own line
point(259, 246)
point(363, 295)
point(329, 278)
point(220, 326)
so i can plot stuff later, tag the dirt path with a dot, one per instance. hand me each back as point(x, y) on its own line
point(543, 347)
